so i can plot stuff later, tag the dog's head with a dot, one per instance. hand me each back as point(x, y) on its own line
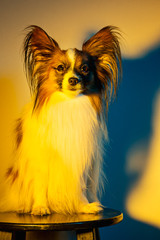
point(91, 71)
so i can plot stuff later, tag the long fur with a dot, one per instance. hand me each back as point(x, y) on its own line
point(58, 158)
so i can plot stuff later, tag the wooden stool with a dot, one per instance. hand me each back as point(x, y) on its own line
point(85, 225)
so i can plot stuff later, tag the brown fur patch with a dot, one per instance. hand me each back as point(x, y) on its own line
point(12, 174)
point(9, 172)
point(96, 102)
point(49, 78)
point(44, 94)
point(19, 132)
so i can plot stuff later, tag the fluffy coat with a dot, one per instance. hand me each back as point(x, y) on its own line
point(59, 139)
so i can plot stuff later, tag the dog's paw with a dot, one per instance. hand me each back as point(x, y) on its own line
point(23, 208)
point(91, 208)
point(40, 210)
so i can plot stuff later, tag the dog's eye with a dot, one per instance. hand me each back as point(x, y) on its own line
point(60, 68)
point(85, 69)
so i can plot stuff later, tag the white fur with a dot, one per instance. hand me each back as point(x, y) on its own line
point(71, 73)
point(59, 159)
point(71, 55)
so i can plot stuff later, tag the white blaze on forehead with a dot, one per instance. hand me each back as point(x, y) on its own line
point(71, 56)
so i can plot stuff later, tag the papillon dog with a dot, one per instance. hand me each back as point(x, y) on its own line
point(60, 136)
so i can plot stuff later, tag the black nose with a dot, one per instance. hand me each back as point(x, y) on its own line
point(73, 81)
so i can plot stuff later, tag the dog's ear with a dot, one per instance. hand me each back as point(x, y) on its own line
point(39, 48)
point(104, 48)
point(39, 42)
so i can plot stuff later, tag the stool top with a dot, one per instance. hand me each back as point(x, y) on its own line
point(26, 222)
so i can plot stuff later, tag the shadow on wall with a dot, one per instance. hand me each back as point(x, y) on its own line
point(133, 165)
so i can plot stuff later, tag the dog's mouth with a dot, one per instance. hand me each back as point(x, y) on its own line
point(72, 89)
point(72, 93)
point(78, 89)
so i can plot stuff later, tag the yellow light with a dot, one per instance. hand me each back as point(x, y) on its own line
point(143, 201)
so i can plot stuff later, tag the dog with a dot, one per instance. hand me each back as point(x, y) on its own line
point(60, 136)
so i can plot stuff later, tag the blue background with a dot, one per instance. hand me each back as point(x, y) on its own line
point(129, 121)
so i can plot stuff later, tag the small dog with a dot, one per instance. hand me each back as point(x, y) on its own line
point(59, 137)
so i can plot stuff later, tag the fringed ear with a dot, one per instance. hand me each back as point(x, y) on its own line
point(38, 50)
point(104, 48)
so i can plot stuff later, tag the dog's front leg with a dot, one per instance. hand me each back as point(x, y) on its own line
point(40, 204)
